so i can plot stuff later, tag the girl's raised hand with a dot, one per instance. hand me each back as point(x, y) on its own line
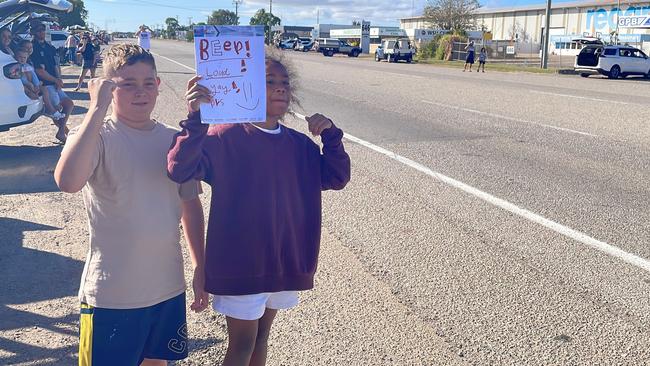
point(318, 123)
point(196, 94)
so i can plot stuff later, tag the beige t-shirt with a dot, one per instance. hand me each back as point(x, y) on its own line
point(134, 210)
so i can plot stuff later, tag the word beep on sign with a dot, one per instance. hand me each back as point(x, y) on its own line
point(230, 60)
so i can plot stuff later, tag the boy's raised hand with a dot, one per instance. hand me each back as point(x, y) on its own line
point(196, 94)
point(318, 123)
point(101, 91)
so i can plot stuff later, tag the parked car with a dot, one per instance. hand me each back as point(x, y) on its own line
point(395, 50)
point(304, 44)
point(612, 61)
point(330, 46)
point(287, 44)
point(16, 108)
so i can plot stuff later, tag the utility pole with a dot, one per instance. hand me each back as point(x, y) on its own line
point(189, 21)
point(237, 3)
point(547, 35)
point(271, 6)
point(618, 16)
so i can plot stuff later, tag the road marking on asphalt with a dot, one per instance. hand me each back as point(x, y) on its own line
point(608, 249)
point(579, 97)
point(526, 214)
point(507, 118)
point(176, 62)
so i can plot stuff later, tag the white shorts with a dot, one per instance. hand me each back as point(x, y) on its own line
point(252, 307)
point(56, 95)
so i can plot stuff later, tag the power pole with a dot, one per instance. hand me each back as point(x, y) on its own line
point(618, 16)
point(237, 3)
point(547, 35)
point(271, 6)
point(189, 21)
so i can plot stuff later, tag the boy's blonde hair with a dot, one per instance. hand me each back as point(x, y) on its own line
point(125, 54)
point(273, 55)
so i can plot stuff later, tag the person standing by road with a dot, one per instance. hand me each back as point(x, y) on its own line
point(132, 289)
point(265, 222)
point(482, 57)
point(71, 46)
point(470, 56)
point(144, 37)
point(44, 60)
point(87, 50)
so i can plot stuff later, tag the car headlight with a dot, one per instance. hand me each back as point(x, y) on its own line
point(13, 71)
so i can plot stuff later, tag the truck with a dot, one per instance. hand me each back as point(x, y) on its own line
point(393, 50)
point(330, 46)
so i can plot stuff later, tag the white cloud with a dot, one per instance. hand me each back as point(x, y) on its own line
point(295, 12)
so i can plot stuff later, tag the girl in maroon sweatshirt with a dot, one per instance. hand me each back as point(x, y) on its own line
point(265, 217)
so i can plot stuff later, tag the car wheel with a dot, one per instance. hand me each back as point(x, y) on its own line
point(330, 53)
point(355, 54)
point(409, 59)
point(584, 75)
point(615, 72)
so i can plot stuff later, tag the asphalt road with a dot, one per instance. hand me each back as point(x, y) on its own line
point(505, 223)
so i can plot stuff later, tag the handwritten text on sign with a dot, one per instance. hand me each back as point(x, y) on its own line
point(231, 61)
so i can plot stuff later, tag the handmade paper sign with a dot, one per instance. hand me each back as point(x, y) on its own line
point(231, 61)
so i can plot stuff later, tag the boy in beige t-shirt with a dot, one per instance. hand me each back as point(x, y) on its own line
point(132, 289)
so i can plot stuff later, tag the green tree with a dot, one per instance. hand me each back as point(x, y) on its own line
point(172, 26)
point(223, 17)
point(452, 15)
point(268, 20)
point(78, 15)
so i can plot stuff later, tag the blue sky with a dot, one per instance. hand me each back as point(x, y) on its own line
point(126, 15)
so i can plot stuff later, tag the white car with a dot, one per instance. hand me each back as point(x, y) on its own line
point(612, 61)
point(16, 108)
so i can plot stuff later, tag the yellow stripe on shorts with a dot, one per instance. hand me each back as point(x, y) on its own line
point(86, 335)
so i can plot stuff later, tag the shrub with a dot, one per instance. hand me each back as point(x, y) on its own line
point(428, 49)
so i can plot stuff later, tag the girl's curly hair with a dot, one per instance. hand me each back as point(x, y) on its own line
point(274, 55)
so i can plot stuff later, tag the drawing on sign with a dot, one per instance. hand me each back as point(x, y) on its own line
point(231, 61)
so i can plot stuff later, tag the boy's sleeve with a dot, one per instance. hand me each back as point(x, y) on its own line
point(97, 152)
point(334, 162)
point(186, 158)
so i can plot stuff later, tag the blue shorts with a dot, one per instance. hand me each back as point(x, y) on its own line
point(125, 337)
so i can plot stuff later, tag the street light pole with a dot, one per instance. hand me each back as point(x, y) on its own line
point(271, 6)
point(547, 35)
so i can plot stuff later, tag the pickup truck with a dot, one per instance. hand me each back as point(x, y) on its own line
point(395, 50)
point(329, 46)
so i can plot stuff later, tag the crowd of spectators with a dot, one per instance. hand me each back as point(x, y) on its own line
point(41, 68)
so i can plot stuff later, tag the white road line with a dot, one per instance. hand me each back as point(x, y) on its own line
point(176, 62)
point(579, 97)
point(559, 228)
point(528, 215)
point(507, 118)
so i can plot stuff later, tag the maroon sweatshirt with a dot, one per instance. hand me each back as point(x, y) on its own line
point(265, 215)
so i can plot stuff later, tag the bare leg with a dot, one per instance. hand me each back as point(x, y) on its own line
point(49, 108)
point(262, 340)
point(62, 133)
point(241, 341)
point(81, 79)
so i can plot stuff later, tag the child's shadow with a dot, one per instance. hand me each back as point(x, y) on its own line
point(31, 276)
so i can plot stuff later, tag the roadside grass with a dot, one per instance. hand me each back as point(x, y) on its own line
point(492, 66)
